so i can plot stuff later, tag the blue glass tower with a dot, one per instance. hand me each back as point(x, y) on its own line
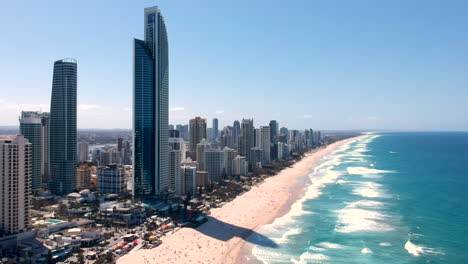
point(63, 127)
point(150, 108)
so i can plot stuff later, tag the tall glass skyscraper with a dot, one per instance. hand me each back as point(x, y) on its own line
point(150, 107)
point(63, 127)
point(31, 129)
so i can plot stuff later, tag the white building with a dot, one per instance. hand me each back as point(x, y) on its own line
point(240, 166)
point(229, 155)
point(15, 183)
point(174, 170)
point(111, 179)
point(202, 147)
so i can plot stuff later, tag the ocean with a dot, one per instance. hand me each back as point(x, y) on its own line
point(385, 198)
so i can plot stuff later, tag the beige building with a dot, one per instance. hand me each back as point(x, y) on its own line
point(15, 183)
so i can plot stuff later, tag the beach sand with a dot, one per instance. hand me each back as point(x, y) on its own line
point(222, 238)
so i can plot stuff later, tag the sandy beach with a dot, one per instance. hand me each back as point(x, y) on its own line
point(222, 238)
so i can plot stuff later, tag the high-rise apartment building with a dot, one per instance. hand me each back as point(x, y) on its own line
point(240, 166)
point(31, 129)
point(83, 149)
point(197, 133)
point(190, 176)
point(174, 168)
point(263, 142)
point(151, 107)
point(214, 161)
point(202, 147)
point(229, 155)
point(247, 138)
point(111, 179)
point(215, 131)
point(63, 127)
point(236, 131)
point(15, 183)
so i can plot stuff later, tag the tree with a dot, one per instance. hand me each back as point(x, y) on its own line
point(109, 257)
point(81, 259)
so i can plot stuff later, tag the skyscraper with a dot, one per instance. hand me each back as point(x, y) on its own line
point(273, 131)
point(45, 169)
point(215, 129)
point(197, 133)
point(83, 149)
point(150, 107)
point(15, 184)
point(63, 127)
point(247, 138)
point(263, 142)
point(214, 161)
point(31, 129)
point(236, 130)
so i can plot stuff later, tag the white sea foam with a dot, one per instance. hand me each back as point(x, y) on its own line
point(319, 249)
point(365, 171)
point(384, 244)
point(341, 182)
point(358, 216)
point(366, 251)
point(307, 257)
point(284, 238)
point(418, 250)
point(331, 245)
point(370, 190)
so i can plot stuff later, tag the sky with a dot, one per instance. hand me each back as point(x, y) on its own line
point(307, 64)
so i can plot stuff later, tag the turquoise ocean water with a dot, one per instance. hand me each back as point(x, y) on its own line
point(386, 198)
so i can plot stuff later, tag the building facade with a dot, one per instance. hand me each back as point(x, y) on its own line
point(15, 184)
point(247, 138)
point(31, 129)
point(214, 160)
point(263, 142)
point(151, 107)
point(111, 179)
point(190, 176)
point(197, 133)
point(63, 127)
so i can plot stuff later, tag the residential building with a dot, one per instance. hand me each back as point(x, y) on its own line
point(240, 166)
point(31, 129)
point(228, 156)
point(190, 176)
point(215, 131)
point(236, 131)
point(197, 133)
point(247, 138)
point(202, 147)
point(111, 179)
point(264, 142)
point(256, 157)
point(83, 149)
point(174, 169)
point(83, 176)
point(214, 159)
point(15, 184)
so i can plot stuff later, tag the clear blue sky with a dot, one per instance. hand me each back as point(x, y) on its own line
point(323, 64)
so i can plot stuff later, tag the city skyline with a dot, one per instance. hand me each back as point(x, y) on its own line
point(392, 73)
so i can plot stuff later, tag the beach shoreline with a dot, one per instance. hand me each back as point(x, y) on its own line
point(223, 238)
